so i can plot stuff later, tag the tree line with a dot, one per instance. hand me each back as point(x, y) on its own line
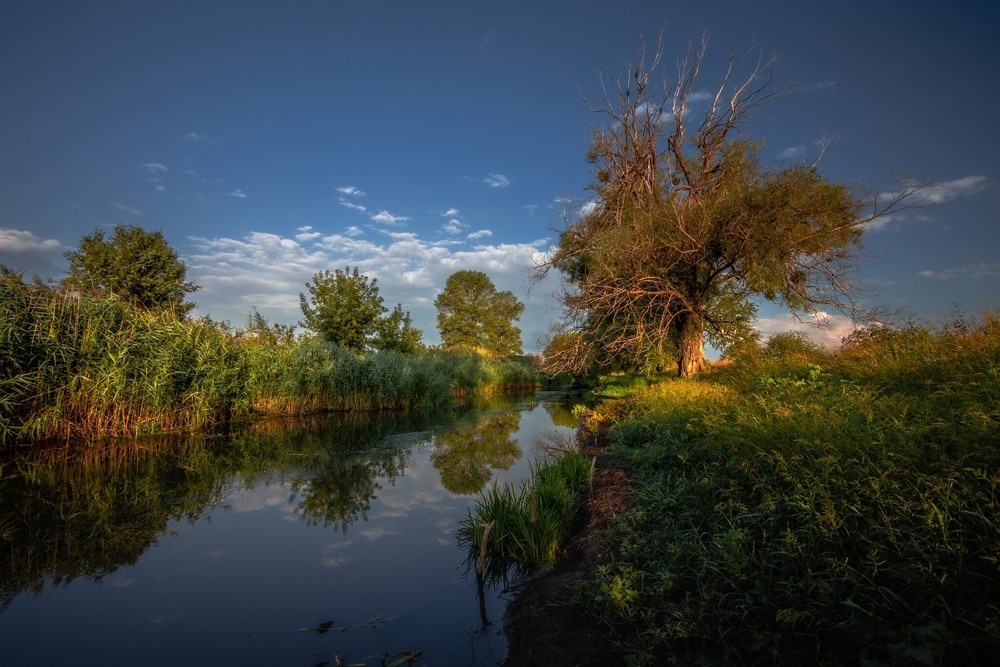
point(342, 307)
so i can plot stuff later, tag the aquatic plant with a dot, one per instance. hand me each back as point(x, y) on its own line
point(526, 525)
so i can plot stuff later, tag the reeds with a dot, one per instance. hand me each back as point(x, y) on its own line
point(527, 525)
point(82, 367)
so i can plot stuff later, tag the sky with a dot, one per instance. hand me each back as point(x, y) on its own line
point(269, 141)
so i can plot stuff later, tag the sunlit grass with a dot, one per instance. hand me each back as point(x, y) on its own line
point(527, 524)
point(805, 506)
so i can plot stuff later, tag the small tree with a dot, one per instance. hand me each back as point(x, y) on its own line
point(396, 332)
point(137, 265)
point(473, 314)
point(345, 308)
point(689, 227)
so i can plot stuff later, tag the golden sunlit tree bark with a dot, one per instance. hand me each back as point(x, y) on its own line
point(688, 227)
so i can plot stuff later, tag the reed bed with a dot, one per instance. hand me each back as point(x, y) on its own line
point(525, 525)
point(84, 367)
point(808, 507)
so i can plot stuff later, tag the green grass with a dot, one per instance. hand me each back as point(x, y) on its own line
point(803, 507)
point(529, 523)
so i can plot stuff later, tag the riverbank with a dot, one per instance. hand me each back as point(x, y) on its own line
point(792, 506)
point(543, 624)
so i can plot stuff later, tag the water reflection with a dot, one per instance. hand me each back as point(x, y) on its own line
point(467, 456)
point(121, 514)
point(86, 511)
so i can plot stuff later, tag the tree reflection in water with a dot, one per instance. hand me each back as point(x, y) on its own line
point(88, 510)
point(467, 455)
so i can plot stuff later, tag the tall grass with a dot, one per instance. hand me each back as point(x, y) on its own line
point(806, 507)
point(527, 524)
point(74, 366)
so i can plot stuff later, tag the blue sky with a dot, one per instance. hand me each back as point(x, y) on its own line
point(269, 141)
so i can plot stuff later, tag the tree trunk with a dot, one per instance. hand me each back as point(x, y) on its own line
point(691, 348)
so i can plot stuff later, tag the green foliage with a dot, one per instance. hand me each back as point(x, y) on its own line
point(690, 227)
point(839, 509)
point(790, 345)
point(473, 315)
point(395, 333)
point(79, 366)
point(527, 524)
point(136, 265)
point(344, 307)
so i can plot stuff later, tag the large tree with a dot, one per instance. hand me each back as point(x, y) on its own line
point(689, 228)
point(344, 307)
point(473, 314)
point(137, 265)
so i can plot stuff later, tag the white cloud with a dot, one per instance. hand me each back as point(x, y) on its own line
point(387, 218)
point(199, 137)
point(937, 193)
point(239, 194)
point(949, 190)
point(118, 206)
point(881, 222)
point(351, 191)
point(450, 213)
point(980, 271)
point(824, 328)
point(160, 188)
point(496, 181)
point(481, 234)
point(453, 226)
point(154, 167)
point(587, 209)
point(307, 234)
point(817, 86)
point(268, 272)
point(16, 240)
point(793, 153)
point(352, 205)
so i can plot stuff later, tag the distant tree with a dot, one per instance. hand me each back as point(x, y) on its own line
point(137, 265)
point(689, 228)
point(345, 308)
point(473, 314)
point(396, 332)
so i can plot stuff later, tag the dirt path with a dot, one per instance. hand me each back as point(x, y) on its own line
point(542, 625)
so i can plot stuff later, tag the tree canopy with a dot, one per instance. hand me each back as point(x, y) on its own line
point(688, 228)
point(473, 314)
point(344, 307)
point(135, 264)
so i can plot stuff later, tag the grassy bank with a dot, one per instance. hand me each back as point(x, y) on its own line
point(803, 507)
point(522, 528)
point(84, 367)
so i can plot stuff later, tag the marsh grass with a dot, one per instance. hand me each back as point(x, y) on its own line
point(528, 523)
point(811, 507)
point(82, 367)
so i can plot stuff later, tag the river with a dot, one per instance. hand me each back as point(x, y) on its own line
point(285, 542)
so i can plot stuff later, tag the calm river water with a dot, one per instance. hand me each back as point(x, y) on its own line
point(284, 543)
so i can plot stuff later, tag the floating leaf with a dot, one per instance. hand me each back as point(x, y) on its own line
point(321, 628)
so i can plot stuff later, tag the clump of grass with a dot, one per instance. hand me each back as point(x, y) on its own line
point(815, 507)
point(527, 524)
